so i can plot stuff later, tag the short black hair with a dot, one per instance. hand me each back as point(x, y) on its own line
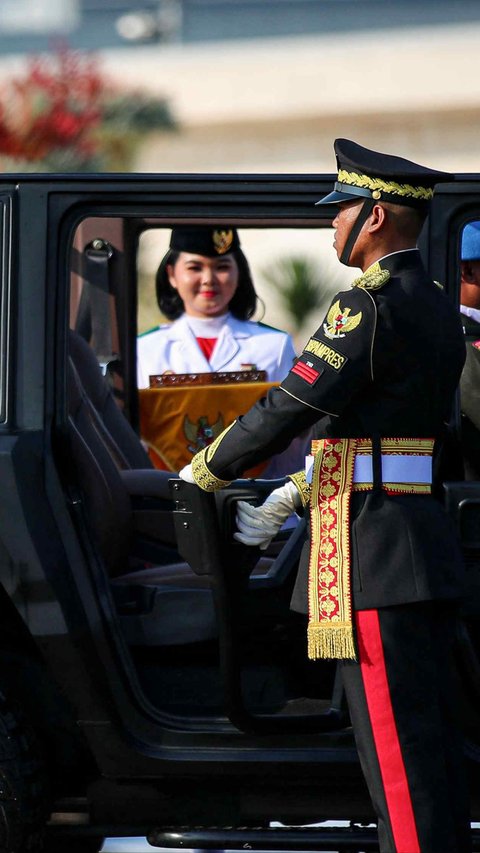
point(408, 221)
point(242, 305)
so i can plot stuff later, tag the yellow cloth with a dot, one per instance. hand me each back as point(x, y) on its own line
point(177, 422)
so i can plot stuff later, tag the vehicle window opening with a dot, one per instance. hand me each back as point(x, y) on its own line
point(190, 660)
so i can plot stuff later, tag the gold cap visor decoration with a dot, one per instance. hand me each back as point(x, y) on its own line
point(363, 173)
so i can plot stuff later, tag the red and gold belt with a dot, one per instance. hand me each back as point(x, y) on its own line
point(341, 466)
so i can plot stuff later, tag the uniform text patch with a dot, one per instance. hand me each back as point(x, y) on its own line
point(326, 353)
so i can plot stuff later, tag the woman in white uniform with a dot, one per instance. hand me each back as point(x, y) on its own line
point(205, 289)
point(204, 286)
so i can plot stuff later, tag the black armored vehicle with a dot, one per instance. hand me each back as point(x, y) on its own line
point(153, 679)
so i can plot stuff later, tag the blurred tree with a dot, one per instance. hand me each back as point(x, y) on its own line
point(64, 115)
point(302, 285)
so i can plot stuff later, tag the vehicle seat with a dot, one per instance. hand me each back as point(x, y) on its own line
point(118, 435)
point(159, 605)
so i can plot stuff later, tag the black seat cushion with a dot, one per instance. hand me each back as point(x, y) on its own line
point(165, 605)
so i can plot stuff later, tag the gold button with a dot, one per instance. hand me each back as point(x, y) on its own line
point(376, 194)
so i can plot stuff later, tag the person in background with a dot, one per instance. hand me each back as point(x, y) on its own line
point(470, 380)
point(470, 279)
point(204, 288)
point(383, 572)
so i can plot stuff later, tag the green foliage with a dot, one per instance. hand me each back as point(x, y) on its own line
point(301, 284)
point(126, 111)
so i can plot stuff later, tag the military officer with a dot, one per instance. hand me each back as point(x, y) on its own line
point(470, 381)
point(470, 279)
point(383, 570)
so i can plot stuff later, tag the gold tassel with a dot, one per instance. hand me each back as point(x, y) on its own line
point(332, 641)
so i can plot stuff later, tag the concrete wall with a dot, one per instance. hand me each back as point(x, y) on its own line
point(276, 105)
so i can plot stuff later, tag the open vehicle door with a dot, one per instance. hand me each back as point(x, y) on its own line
point(156, 662)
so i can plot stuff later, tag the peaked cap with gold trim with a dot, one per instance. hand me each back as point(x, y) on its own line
point(210, 241)
point(363, 173)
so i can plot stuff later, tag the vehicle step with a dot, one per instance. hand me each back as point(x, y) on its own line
point(345, 839)
point(266, 838)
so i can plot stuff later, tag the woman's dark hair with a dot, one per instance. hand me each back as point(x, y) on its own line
point(242, 305)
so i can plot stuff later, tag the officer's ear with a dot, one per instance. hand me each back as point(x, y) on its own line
point(377, 218)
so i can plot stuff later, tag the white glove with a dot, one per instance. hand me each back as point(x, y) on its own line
point(259, 524)
point(186, 474)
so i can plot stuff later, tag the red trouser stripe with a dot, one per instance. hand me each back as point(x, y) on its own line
point(389, 753)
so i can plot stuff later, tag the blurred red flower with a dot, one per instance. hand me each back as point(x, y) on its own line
point(64, 114)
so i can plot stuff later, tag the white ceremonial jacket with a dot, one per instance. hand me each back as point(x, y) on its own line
point(173, 347)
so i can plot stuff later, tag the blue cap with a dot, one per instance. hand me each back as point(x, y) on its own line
point(471, 242)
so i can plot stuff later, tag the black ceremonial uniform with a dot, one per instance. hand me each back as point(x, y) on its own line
point(395, 374)
point(393, 371)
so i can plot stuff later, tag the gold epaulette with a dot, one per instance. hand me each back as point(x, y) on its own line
point(304, 488)
point(373, 279)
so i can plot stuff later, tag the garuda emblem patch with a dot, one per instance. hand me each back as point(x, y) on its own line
point(202, 433)
point(339, 321)
point(222, 240)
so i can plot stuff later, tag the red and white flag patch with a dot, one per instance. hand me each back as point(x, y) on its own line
point(305, 370)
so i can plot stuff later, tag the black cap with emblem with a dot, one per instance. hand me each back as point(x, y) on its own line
point(373, 177)
point(210, 241)
point(363, 173)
